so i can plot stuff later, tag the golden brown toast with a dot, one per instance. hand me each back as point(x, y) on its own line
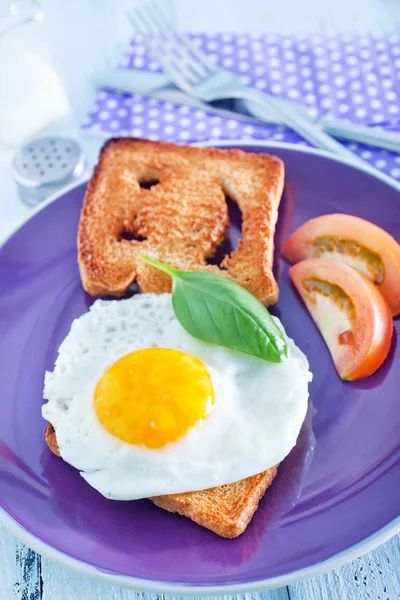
point(226, 510)
point(181, 220)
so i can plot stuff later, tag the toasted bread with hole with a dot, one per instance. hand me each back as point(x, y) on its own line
point(181, 220)
point(226, 510)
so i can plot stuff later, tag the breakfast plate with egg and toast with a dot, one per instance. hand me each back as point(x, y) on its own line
point(200, 367)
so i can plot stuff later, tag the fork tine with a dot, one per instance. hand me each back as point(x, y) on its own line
point(197, 59)
point(178, 72)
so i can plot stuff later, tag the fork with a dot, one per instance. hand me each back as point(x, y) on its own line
point(193, 72)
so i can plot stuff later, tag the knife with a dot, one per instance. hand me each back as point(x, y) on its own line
point(157, 85)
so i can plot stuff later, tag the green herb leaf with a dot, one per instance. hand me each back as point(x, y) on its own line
point(216, 310)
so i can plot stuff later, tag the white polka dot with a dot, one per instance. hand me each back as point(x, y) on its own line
point(335, 56)
point(138, 120)
point(304, 60)
point(359, 99)
point(152, 102)
point(381, 164)
point(137, 108)
point(213, 58)
point(361, 113)
point(394, 38)
point(343, 108)
point(320, 63)
point(259, 70)
point(248, 129)
point(292, 80)
point(381, 45)
point(212, 45)
point(308, 85)
point(332, 44)
point(243, 53)
point(227, 49)
point(395, 173)
point(375, 103)
point(231, 124)
point(378, 118)
point(153, 66)
point(245, 79)
point(115, 124)
point(276, 88)
point(383, 58)
point(322, 76)
point(310, 98)
point(256, 46)
point(289, 55)
point(318, 50)
point(200, 114)
point(243, 66)
point(122, 112)
point(339, 80)
point(153, 125)
point(351, 60)
point(356, 85)
point(353, 147)
point(341, 94)
point(326, 102)
point(324, 88)
point(102, 95)
point(302, 46)
point(201, 126)
point(386, 84)
point(226, 37)
point(153, 136)
point(312, 111)
point(372, 91)
point(371, 77)
point(272, 50)
point(397, 160)
point(366, 154)
point(259, 57)
point(293, 94)
point(365, 54)
point(138, 62)
point(169, 117)
point(184, 135)
point(306, 72)
point(354, 73)
point(140, 50)
point(278, 136)
point(391, 95)
point(393, 109)
point(385, 70)
point(197, 41)
point(241, 40)
point(168, 129)
point(154, 112)
point(261, 84)
point(275, 75)
point(337, 68)
point(104, 115)
point(287, 43)
point(228, 62)
point(137, 132)
point(112, 103)
point(290, 68)
point(184, 121)
point(216, 132)
point(184, 110)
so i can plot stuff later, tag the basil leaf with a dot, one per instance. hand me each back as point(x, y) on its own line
point(216, 310)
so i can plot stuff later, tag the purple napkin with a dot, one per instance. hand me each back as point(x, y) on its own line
point(346, 77)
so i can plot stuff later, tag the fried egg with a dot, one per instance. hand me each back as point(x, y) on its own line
point(143, 409)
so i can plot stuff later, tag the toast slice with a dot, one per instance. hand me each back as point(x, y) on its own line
point(169, 202)
point(226, 510)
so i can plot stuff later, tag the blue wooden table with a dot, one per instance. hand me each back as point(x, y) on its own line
point(24, 575)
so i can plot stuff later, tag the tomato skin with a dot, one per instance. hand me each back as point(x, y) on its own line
point(302, 245)
point(360, 352)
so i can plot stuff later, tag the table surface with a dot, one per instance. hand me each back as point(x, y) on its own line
point(24, 574)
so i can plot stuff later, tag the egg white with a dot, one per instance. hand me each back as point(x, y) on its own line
point(259, 406)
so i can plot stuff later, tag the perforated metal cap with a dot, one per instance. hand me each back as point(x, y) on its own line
point(46, 165)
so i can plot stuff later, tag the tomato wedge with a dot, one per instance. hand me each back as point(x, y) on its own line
point(352, 316)
point(353, 241)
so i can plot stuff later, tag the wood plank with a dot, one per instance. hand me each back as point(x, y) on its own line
point(62, 584)
point(375, 576)
point(7, 562)
point(28, 584)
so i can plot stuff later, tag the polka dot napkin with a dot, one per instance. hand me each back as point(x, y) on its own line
point(348, 77)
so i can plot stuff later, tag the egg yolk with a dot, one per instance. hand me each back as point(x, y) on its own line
point(153, 396)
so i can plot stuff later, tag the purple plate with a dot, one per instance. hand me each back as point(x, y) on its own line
point(336, 495)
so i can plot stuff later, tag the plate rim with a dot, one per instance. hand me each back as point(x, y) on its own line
point(154, 586)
